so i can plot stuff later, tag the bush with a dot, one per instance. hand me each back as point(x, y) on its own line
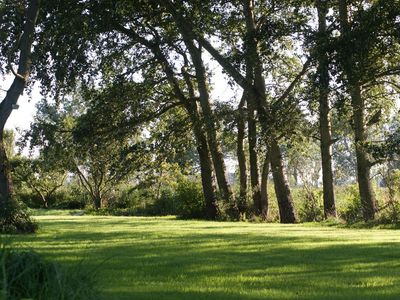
point(352, 212)
point(27, 275)
point(311, 205)
point(14, 218)
point(165, 204)
point(189, 200)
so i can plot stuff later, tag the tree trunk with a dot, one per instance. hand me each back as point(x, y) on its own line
point(358, 105)
point(16, 89)
point(242, 205)
point(264, 188)
point(96, 198)
point(254, 175)
point(207, 179)
point(363, 165)
point(6, 186)
point(324, 114)
point(285, 202)
point(207, 113)
point(206, 168)
point(210, 124)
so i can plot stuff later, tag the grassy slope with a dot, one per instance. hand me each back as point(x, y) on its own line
point(163, 258)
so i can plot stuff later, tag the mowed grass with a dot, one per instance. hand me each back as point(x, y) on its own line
point(165, 258)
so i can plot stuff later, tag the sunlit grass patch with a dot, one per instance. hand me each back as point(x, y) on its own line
point(165, 258)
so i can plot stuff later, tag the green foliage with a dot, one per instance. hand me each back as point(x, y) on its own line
point(189, 199)
point(391, 210)
point(44, 177)
point(14, 218)
point(352, 211)
point(26, 274)
point(311, 205)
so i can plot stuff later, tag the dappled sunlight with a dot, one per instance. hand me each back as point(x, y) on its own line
point(164, 258)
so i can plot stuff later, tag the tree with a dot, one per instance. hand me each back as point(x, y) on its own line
point(255, 90)
point(365, 55)
point(324, 110)
point(41, 176)
point(22, 41)
point(68, 135)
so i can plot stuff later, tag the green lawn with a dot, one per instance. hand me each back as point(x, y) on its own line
point(164, 258)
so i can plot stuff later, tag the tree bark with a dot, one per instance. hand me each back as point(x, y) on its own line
point(324, 113)
point(254, 174)
point(284, 197)
point(242, 203)
point(264, 188)
point(367, 195)
point(206, 167)
point(11, 98)
point(190, 104)
point(6, 185)
point(285, 202)
point(208, 117)
point(358, 105)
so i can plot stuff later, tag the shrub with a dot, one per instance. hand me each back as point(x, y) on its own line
point(14, 218)
point(189, 199)
point(352, 212)
point(391, 208)
point(311, 205)
point(165, 204)
point(27, 275)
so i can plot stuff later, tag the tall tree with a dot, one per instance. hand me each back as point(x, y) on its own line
point(207, 112)
point(285, 202)
point(324, 110)
point(367, 52)
point(23, 44)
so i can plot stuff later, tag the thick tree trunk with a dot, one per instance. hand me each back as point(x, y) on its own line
point(209, 120)
point(242, 203)
point(6, 186)
point(207, 179)
point(353, 78)
point(264, 188)
point(16, 89)
point(363, 165)
point(212, 211)
point(324, 114)
point(285, 202)
point(204, 97)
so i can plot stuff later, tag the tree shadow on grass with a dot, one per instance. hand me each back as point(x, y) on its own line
point(145, 262)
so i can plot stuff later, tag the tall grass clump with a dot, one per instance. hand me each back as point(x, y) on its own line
point(27, 275)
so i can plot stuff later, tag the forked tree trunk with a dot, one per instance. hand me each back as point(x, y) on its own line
point(96, 198)
point(16, 89)
point(207, 179)
point(324, 114)
point(209, 120)
point(285, 201)
point(280, 181)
